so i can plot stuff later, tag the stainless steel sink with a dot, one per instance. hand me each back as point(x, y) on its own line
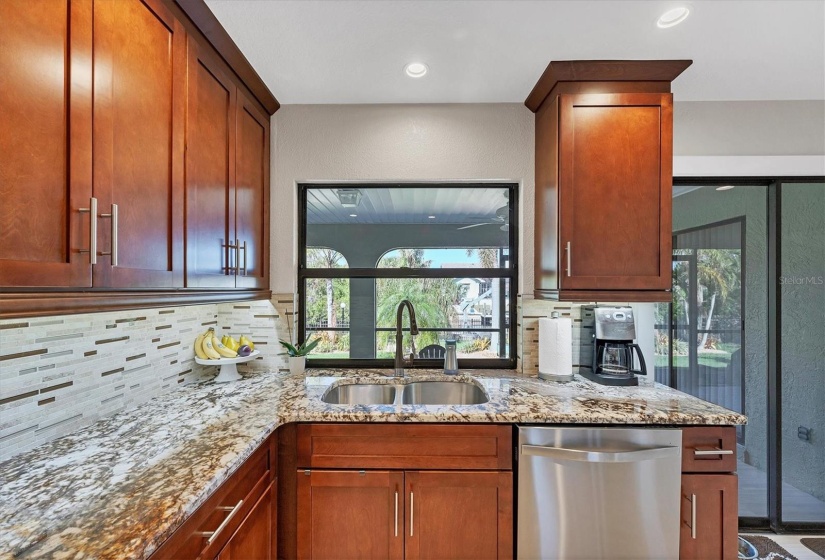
point(443, 392)
point(361, 393)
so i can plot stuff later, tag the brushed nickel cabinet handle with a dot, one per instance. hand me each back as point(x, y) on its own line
point(92, 210)
point(113, 216)
point(212, 535)
point(693, 516)
point(244, 258)
point(705, 452)
point(237, 257)
point(114, 235)
point(412, 512)
point(568, 259)
point(396, 512)
point(229, 268)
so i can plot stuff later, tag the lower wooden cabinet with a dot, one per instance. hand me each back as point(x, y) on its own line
point(255, 538)
point(710, 502)
point(458, 515)
point(238, 521)
point(352, 514)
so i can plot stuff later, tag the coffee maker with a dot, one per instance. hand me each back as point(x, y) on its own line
point(613, 348)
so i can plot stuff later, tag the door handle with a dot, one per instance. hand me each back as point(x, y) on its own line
point(568, 259)
point(715, 451)
point(114, 224)
point(592, 456)
point(412, 511)
point(92, 210)
point(243, 248)
point(693, 516)
point(212, 535)
point(237, 257)
point(396, 511)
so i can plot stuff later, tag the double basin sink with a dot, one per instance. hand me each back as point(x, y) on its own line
point(416, 392)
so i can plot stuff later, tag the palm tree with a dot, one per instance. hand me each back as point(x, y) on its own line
point(318, 257)
point(717, 272)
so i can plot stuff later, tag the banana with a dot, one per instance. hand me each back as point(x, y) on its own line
point(199, 346)
point(208, 347)
point(223, 350)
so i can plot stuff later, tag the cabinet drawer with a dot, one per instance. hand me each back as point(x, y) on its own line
point(404, 446)
point(223, 512)
point(709, 449)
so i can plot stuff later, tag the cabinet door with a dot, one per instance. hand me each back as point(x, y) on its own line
point(210, 171)
point(45, 142)
point(252, 195)
point(710, 518)
point(354, 515)
point(458, 515)
point(140, 78)
point(255, 538)
point(615, 177)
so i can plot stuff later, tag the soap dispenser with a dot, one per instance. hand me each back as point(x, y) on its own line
point(450, 359)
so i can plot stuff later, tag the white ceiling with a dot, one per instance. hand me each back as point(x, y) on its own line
point(354, 51)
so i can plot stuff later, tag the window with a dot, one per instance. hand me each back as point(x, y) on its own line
point(449, 249)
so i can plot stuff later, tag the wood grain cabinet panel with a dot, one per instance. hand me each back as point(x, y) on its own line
point(251, 195)
point(350, 515)
point(255, 538)
point(139, 73)
point(210, 170)
point(458, 515)
point(45, 142)
point(615, 182)
point(710, 519)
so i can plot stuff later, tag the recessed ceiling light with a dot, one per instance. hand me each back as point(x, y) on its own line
point(353, 215)
point(673, 17)
point(724, 188)
point(431, 217)
point(416, 69)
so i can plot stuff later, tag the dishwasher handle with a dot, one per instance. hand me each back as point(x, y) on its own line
point(591, 456)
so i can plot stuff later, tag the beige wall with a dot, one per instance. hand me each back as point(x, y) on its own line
point(487, 142)
point(396, 143)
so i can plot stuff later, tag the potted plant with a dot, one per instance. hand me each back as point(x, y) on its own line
point(298, 354)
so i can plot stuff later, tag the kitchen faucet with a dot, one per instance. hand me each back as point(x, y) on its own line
point(399, 337)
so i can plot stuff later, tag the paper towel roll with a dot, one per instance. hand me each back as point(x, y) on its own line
point(556, 348)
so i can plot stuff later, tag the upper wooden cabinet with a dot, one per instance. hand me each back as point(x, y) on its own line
point(134, 155)
point(251, 194)
point(210, 171)
point(227, 180)
point(45, 143)
point(604, 156)
point(139, 104)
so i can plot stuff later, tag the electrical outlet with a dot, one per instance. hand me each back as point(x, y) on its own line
point(803, 433)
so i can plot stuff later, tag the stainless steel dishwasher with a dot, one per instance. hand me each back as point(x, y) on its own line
point(590, 493)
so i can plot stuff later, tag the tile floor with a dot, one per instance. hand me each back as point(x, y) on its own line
point(796, 504)
point(791, 544)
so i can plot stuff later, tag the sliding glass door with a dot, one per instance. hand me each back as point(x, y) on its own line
point(746, 330)
point(718, 320)
point(801, 347)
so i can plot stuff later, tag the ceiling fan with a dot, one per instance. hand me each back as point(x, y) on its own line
point(499, 219)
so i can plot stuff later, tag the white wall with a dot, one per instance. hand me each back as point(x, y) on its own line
point(396, 143)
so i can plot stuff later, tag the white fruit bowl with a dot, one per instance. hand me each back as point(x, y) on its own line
point(229, 366)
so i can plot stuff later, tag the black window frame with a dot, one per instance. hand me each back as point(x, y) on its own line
point(510, 273)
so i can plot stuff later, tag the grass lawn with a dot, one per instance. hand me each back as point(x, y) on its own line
point(708, 360)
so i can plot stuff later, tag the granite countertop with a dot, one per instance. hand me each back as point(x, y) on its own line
point(119, 488)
